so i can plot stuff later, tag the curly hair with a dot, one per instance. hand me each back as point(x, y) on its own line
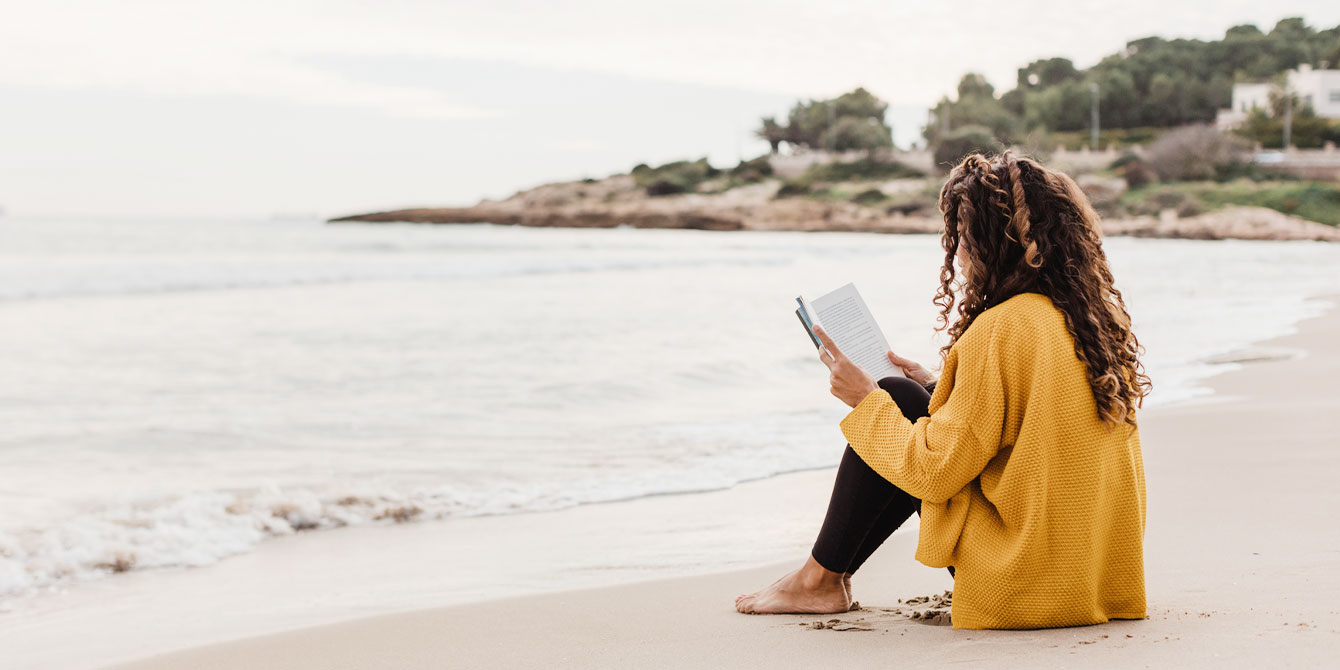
point(1025, 228)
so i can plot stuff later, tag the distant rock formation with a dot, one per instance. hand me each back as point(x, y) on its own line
point(1237, 223)
point(618, 201)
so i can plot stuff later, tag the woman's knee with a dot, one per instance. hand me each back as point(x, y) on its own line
point(912, 398)
point(893, 384)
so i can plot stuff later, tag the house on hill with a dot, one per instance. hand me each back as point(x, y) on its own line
point(1318, 88)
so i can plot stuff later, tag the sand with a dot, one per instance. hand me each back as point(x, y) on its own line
point(1242, 559)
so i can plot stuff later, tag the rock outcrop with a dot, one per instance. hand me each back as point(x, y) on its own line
point(618, 201)
point(1238, 223)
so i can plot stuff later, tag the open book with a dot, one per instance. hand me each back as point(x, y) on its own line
point(843, 315)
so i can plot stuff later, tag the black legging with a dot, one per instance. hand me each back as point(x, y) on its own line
point(865, 508)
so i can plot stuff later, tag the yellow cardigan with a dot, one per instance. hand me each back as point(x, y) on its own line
point(1037, 504)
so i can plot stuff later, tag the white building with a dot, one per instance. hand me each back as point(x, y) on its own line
point(1318, 88)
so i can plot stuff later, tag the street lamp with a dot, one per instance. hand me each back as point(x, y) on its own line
point(1093, 120)
point(1288, 117)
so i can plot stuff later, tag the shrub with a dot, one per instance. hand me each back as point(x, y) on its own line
point(1120, 138)
point(1153, 200)
point(1189, 207)
point(868, 197)
point(1309, 131)
point(906, 208)
point(1122, 161)
point(864, 169)
point(1312, 200)
point(1251, 170)
point(957, 143)
point(794, 187)
point(1196, 152)
point(925, 202)
point(666, 187)
point(676, 177)
point(1137, 174)
point(752, 171)
point(1168, 199)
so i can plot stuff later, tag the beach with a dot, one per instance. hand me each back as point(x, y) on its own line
point(1242, 560)
point(280, 427)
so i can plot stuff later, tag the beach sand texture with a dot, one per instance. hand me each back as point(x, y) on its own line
point(1242, 558)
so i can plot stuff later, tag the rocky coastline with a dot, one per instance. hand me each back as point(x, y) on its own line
point(618, 201)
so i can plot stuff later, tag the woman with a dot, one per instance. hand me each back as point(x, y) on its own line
point(1024, 458)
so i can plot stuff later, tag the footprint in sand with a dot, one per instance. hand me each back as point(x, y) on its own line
point(933, 617)
point(933, 610)
point(838, 625)
point(936, 612)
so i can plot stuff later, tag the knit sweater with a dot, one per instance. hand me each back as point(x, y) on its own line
point(1035, 501)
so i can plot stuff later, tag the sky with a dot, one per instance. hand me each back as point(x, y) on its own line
point(280, 108)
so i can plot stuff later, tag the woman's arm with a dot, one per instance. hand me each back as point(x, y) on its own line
point(938, 455)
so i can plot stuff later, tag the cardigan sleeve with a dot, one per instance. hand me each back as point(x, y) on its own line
point(938, 455)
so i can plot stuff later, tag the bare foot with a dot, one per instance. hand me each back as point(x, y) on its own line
point(809, 590)
point(775, 582)
point(846, 586)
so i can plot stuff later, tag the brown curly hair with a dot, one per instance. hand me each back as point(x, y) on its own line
point(1025, 228)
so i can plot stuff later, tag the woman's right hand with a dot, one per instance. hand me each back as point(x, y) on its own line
point(912, 369)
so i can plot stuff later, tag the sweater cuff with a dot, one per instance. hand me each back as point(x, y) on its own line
point(860, 416)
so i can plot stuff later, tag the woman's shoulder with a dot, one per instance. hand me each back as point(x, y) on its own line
point(1022, 319)
point(1020, 308)
point(1023, 303)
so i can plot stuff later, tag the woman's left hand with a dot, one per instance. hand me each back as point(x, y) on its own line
point(849, 382)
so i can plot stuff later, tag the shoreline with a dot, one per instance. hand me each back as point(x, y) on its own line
point(620, 201)
point(1229, 223)
point(1239, 565)
point(281, 585)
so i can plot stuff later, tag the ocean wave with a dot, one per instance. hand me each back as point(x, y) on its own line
point(142, 279)
point(194, 530)
point(202, 528)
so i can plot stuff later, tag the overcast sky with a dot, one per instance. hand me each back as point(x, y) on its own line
point(246, 108)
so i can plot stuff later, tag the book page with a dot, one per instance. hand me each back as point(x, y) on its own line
point(846, 319)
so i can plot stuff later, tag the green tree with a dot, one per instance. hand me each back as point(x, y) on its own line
point(1063, 107)
point(976, 105)
point(974, 85)
point(1280, 97)
point(1118, 100)
point(1151, 82)
point(957, 143)
point(1165, 103)
point(860, 103)
point(772, 132)
point(1047, 72)
point(853, 120)
point(853, 133)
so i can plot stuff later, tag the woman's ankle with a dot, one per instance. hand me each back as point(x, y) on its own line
point(814, 576)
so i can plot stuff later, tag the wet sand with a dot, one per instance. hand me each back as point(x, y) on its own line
point(1242, 559)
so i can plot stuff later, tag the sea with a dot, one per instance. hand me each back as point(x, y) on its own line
point(179, 392)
